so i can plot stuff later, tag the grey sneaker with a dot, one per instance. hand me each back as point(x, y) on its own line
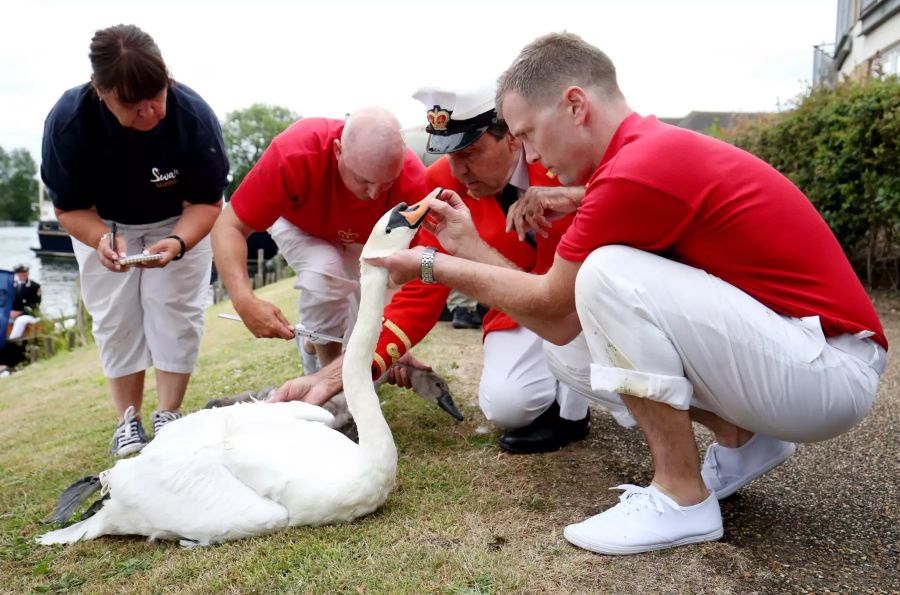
point(163, 418)
point(129, 436)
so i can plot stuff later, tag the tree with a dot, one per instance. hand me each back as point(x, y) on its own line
point(248, 132)
point(18, 186)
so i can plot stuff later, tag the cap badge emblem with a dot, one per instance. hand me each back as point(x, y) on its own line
point(438, 118)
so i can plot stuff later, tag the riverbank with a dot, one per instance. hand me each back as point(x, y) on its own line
point(464, 518)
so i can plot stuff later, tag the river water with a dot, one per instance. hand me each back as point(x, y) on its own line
point(58, 276)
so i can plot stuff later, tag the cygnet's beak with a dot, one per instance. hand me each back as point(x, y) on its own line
point(445, 402)
point(411, 216)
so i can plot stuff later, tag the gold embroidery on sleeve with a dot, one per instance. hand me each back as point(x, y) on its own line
point(399, 332)
point(394, 352)
point(382, 367)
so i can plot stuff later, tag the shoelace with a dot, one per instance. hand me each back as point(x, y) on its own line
point(162, 418)
point(637, 497)
point(130, 424)
point(166, 416)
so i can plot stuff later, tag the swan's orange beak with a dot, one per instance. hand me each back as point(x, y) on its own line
point(411, 216)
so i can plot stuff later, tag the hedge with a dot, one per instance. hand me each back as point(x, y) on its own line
point(842, 148)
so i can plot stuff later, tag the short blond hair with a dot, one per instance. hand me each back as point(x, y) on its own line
point(553, 62)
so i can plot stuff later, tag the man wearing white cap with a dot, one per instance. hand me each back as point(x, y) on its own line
point(319, 188)
point(486, 164)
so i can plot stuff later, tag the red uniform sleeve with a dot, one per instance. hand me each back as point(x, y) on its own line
point(411, 314)
point(620, 211)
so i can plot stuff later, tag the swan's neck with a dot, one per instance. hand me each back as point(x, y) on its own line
point(374, 434)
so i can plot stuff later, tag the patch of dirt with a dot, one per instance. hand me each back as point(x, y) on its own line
point(827, 520)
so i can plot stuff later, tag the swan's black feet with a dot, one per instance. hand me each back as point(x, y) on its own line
point(547, 433)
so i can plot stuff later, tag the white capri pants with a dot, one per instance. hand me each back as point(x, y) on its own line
point(517, 385)
point(659, 329)
point(20, 324)
point(147, 317)
point(327, 277)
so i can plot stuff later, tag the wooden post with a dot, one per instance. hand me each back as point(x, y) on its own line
point(279, 267)
point(70, 340)
point(260, 267)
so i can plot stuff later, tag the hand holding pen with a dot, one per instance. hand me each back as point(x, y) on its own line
point(108, 251)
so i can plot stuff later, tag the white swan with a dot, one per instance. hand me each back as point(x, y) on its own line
point(233, 472)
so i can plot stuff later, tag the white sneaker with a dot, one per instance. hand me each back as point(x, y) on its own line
point(645, 519)
point(726, 470)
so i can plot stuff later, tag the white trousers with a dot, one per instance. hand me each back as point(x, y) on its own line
point(20, 324)
point(460, 300)
point(147, 317)
point(658, 329)
point(517, 385)
point(327, 277)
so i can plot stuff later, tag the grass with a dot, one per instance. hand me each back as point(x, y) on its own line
point(464, 518)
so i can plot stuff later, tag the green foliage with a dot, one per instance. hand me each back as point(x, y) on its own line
point(248, 132)
point(18, 186)
point(842, 148)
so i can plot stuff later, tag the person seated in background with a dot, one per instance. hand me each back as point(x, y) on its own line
point(318, 188)
point(27, 301)
point(486, 164)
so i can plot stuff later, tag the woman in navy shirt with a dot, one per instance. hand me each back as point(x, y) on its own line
point(135, 163)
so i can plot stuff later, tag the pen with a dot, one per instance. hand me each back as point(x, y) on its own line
point(112, 237)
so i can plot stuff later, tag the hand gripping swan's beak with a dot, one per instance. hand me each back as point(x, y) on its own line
point(411, 216)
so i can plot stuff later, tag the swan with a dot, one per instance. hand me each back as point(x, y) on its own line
point(228, 473)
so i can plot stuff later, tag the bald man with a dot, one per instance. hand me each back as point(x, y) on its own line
point(319, 188)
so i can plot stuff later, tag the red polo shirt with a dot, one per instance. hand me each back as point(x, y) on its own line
point(297, 178)
point(712, 206)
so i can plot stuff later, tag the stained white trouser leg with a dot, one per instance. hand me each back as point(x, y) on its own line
point(571, 364)
point(665, 331)
point(516, 383)
point(327, 277)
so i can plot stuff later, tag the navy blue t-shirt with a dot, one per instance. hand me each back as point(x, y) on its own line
point(90, 160)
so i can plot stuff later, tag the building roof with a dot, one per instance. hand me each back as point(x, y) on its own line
point(705, 121)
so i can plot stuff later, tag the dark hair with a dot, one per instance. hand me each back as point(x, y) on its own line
point(127, 60)
point(498, 129)
point(549, 64)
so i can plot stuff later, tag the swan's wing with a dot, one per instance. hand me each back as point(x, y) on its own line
point(289, 456)
point(192, 496)
point(292, 409)
point(206, 427)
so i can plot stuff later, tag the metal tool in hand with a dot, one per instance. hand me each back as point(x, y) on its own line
point(299, 330)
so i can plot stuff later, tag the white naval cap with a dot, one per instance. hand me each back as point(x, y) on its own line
point(456, 119)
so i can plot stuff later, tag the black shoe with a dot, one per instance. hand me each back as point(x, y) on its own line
point(547, 433)
point(463, 318)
